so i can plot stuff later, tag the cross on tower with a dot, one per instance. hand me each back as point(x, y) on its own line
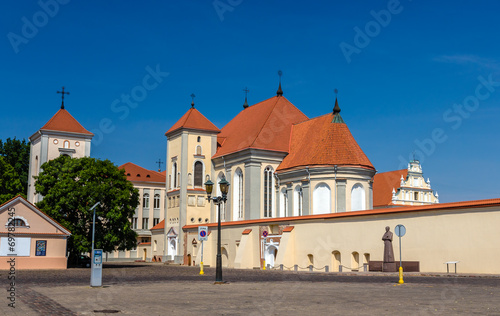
point(336, 92)
point(62, 97)
point(159, 162)
point(192, 99)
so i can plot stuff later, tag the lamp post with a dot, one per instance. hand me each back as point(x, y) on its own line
point(218, 200)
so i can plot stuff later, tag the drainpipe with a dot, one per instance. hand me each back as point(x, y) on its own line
point(336, 199)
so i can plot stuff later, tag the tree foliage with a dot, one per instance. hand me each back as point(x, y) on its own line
point(17, 153)
point(70, 187)
point(10, 184)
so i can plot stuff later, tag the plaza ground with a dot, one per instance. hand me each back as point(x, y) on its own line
point(157, 289)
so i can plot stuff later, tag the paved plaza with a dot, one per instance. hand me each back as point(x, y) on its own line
point(157, 289)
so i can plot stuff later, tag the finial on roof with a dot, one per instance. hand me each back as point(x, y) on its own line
point(336, 110)
point(192, 100)
point(245, 105)
point(279, 92)
point(62, 97)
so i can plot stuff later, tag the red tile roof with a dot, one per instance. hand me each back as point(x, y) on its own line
point(193, 119)
point(160, 225)
point(288, 229)
point(265, 125)
point(391, 210)
point(136, 173)
point(246, 231)
point(383, 183)
point(320, 142)
point(65, 122)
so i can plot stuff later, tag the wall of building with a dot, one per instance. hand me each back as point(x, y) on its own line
point(433, 237)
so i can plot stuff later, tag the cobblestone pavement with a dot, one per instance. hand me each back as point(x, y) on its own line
point(155, 289)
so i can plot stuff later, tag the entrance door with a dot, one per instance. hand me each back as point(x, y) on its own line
point(144, 256)
point(270, 255)
point(172, 251)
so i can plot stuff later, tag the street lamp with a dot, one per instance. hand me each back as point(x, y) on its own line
point(218, 200)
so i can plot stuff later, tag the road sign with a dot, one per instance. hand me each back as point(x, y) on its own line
point(202, 233)
point(264, 233)
point(400, 230)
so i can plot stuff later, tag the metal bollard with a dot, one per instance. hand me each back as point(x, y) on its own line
point(281, 267)
point(340, 268)
point(311, 268)
point(326, 268)
point(296, 267)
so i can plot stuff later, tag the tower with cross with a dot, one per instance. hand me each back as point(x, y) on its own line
point(62, 135)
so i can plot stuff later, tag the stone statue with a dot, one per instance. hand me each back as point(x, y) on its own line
point(389, 264)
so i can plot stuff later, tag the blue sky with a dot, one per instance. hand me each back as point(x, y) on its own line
point(412, 75)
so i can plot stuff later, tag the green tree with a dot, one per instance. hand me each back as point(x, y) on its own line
point(10, 184)
point(17, 154)
point(70, 187)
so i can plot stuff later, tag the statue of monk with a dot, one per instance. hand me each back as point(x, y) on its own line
point(388, 251)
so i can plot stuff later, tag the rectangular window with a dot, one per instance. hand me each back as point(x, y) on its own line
point(201, 200)
point(156, 221)
point(41, 248)
point(134, 223)
point(191, 200)
point(145, 223)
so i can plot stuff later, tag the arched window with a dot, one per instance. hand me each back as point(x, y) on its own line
point(322, 199)
point(17, 222)
point(198, 174)
point(358, 198)
point(145, 200)
point(238, 195)
point(268, 192)
point(174, 175)
point(283, 202)
point(157, 201)
point(297, 201)
point(198, 150)
point(66, 144)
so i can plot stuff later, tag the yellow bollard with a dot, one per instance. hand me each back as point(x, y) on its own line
point(401, 275)
point(264, 268)
point(201, 268)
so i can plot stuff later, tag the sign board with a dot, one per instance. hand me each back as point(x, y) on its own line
point(264, 233)
point(97, 256)
point(400, 230)
point(202, 233)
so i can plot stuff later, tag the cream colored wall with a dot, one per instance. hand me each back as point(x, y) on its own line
point(53, 150)
point(151, 187)
point(35, 167)
point(174, 150)
point(433, 238)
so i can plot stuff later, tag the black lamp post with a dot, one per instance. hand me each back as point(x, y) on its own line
point(218, 200)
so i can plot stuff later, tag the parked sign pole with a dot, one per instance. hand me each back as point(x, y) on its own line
point(202, 236)
point(400, 231)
